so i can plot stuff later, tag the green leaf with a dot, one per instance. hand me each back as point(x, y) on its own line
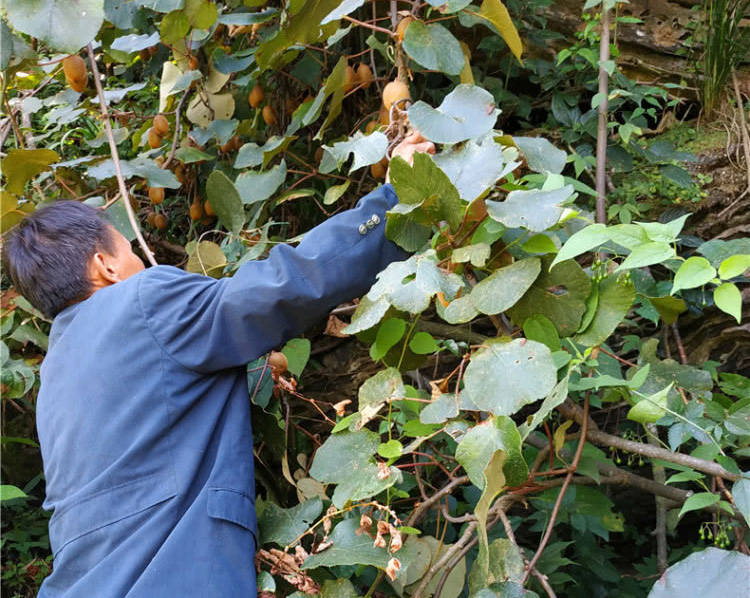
point(616, 296)
point(367, 149)
point(734, 265)
point(207, 258)
point(480, 443)
point(466, 112)
point(709, 573)
point(664, 232)
point(475, 166)
point(433, 47)
point(541, 155)
point(120, 13)
point(540, 243)
point(684, 476)
point(424, 184)
point(552, 400)
point(254, 187)
point(339, 588)
point(201, 13)
point(586, 239)
point(440, 410)
point(495, 483)
point(505, 286)
point(729, 300)
point(458, 311)
point(539, 328)
point(698, 501)
point(389, 333)
point(410, 285)
point(392, 449)
point(134, 42)
point(140, 167)
point(368, 313)
point(377, 391)
point(422, 343)
point(284, 526)
point(301, 27)
point(63, 25)
point(560, 295)
point(651, 408)
point(174, 27)
point(225, 201)
point(348, 548)
point(22, 165)
point(297, 353)
point(741, 495)
point(346, 459)
point(477, 254)
point(505, 564)
point(694, 272)
point(334, 193)
point(717, 251)
point(496, 13)
point(189, 155)
point(647, 254)
point(503, 377)
point(535, 210)
point(669, 308)
point(677, 175)
point(8, 492)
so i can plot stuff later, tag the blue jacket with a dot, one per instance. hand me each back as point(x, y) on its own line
point(144, 418)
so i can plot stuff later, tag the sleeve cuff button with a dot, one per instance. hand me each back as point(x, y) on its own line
point(362, 229)
point(375, 219)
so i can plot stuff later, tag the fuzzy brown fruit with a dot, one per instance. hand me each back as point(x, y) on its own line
point(160, 221)
point(150, 218)
point(193, 63)
point(156, 195)
point(256, 96)
point(76, 76)
point(154, 139)
point(278, 362)
point(371, 126)
point(384, 117)
point(378, 169)
point(161, 125)
point(364, 75)
point(196, 211)
point(394, 92)
point(350, 78)
point(207, 209)
point(401, 28)
point(269, 115)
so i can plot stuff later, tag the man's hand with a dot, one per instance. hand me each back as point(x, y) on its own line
point(408, 147)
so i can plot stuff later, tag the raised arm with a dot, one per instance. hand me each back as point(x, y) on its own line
point(208, 325)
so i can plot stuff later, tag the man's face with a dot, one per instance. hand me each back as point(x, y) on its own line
point(124, 261)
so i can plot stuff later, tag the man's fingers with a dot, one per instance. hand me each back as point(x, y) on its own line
point(426, 147)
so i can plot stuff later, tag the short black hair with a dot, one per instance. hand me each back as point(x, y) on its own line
point(48, 253)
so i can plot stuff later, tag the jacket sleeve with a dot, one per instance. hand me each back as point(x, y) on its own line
point(208, 325)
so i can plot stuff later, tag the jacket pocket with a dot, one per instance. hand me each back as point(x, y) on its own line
point(107, 507)
point(233, 506)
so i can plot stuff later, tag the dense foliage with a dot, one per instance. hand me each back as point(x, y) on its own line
point(520, 367)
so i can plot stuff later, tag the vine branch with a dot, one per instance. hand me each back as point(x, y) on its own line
point(116, 160)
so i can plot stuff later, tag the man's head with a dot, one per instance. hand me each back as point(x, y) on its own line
point(62, 253)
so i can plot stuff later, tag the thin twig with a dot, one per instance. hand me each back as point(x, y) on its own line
point(116, 160)
point(601, 137)
point(558, 502)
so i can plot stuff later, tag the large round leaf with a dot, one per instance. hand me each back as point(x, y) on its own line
point(64, 25)
point(434, 47)
point(505, 286)
point(710, 573)
point(503, 377)
point(560, 295)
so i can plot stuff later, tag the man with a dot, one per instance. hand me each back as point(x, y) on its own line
point(143, 413)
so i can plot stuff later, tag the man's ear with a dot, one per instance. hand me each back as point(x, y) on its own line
point(103, 270)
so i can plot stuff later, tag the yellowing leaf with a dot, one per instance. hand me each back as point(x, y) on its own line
point(220, 107)
point(559, 436)
point(22, 165)
point(496, 13)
